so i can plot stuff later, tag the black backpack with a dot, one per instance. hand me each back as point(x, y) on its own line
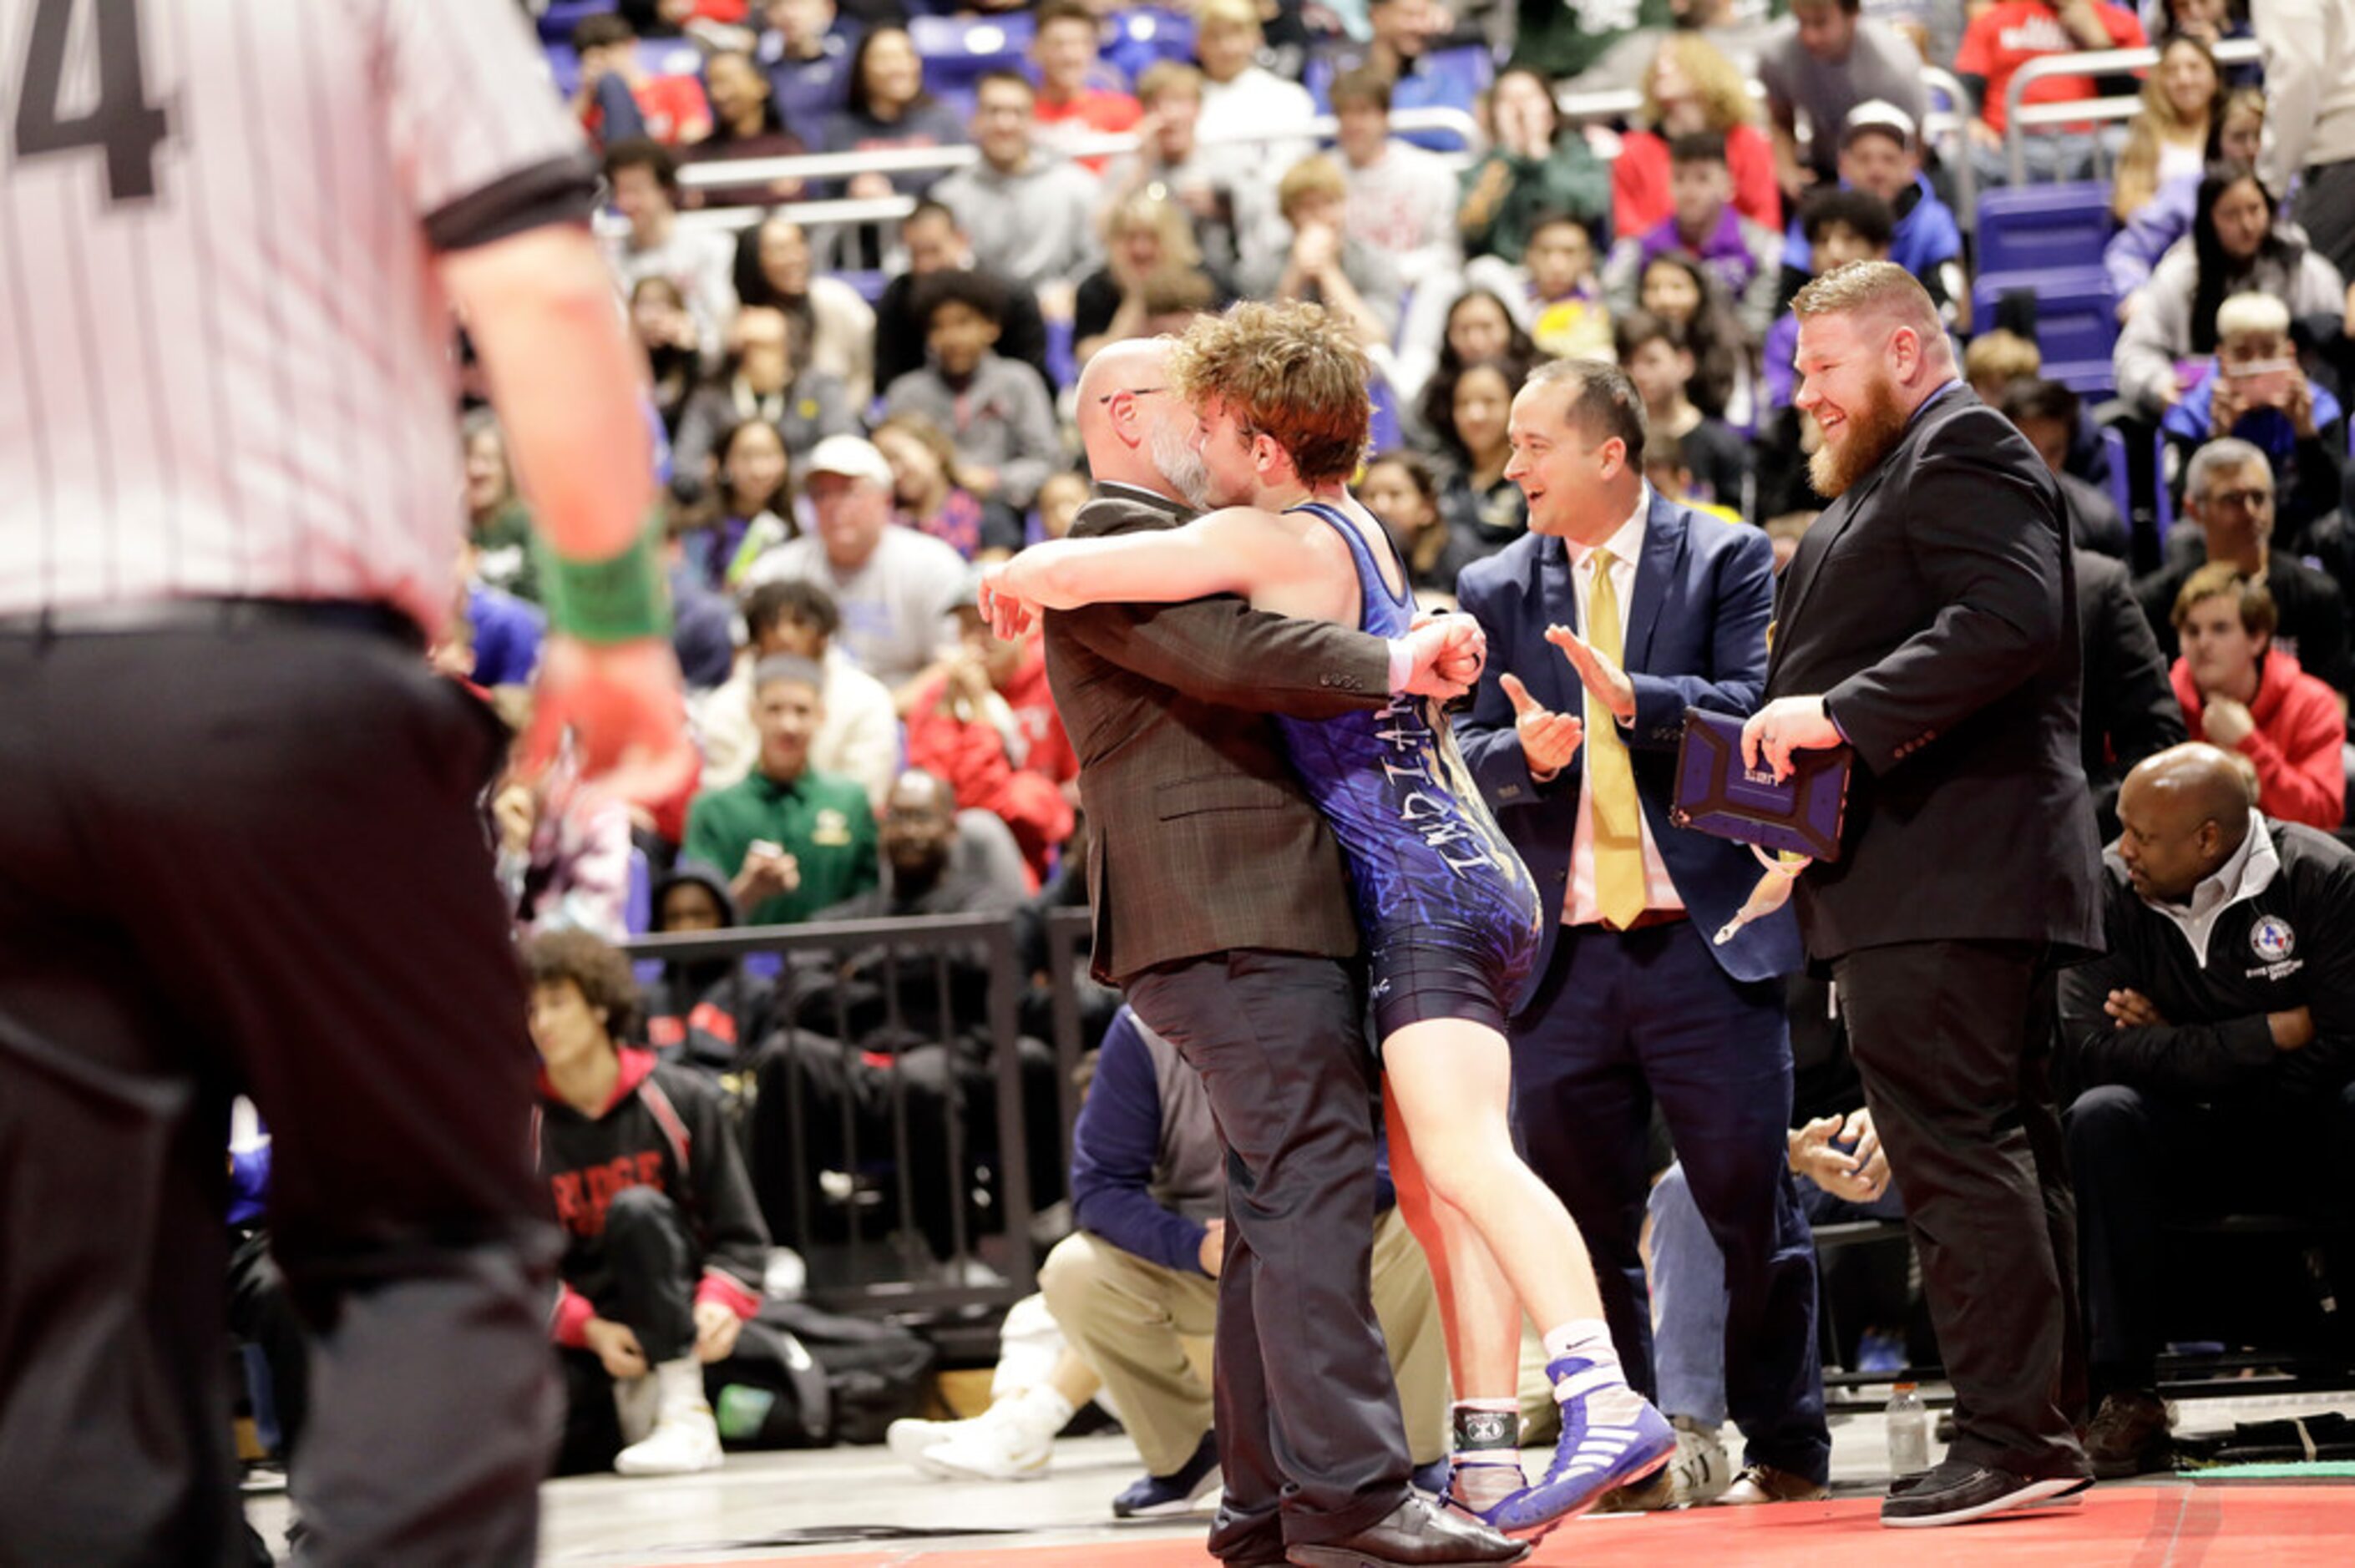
point(819, 1378)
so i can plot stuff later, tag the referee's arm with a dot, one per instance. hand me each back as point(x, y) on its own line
point(565, 379)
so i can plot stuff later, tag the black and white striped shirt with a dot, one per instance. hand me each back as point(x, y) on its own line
point(225, 364)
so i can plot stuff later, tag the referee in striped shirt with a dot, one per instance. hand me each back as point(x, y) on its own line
point(238, 847)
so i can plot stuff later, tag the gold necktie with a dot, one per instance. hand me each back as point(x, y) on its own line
point(1618, 814)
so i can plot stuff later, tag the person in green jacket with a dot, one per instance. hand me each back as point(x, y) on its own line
point(1532, 169)
point(792, 841)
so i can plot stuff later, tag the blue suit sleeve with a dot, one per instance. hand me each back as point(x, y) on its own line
point(1742, 598)
point(1114, 1144)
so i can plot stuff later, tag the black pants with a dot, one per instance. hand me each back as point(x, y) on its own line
point(1953, 1041)
point(1619, 1021)
point(651, 1266)
point(2143, 1159)
point(824, 1105)
point(1309, 1432)
point(253, 859)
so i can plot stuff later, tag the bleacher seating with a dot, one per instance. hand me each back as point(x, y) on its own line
point(957, 51)
point(1147, 36)
point(2043, 228)
point(2076, 321)
point(660, 57)
point(556, 23)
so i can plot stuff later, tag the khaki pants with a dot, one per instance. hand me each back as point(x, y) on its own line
point(1131, 1321)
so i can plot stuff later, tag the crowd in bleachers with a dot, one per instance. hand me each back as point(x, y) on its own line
point(859, 403)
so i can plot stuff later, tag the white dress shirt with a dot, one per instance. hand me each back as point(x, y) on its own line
point(1626, 547)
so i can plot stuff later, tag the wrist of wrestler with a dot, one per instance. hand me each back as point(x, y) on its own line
point(624, 598)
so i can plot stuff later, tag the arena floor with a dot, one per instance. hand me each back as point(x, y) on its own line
point(858, 1508)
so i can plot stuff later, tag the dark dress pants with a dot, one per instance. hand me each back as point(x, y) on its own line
point(1622, 1019)
point(1953, 1043)
point(1309, 1433)
point(252, 858)
point(2141, 1157)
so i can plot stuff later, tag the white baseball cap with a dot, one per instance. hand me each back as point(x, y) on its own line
point(853, 456)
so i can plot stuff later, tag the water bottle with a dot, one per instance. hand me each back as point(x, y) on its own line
point(1909, 1432)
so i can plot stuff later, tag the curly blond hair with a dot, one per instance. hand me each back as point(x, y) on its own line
point(1293, 372)
point(1716, 80)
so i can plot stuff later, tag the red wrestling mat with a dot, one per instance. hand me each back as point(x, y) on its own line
point(2173, 1526)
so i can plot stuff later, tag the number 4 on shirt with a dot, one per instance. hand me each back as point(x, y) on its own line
point(121, 122)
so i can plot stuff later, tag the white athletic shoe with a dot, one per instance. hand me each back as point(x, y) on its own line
point(908, 1438)
point(685, 1438)
point(679, 1447)
point(984, 1449)
point(1700, 1468)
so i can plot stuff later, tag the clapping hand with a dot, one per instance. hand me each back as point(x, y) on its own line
point(1597, 671)
point(1548, 739)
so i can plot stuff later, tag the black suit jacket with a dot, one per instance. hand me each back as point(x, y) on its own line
point(1934, 606)
point(1203, 838)
point(2130, 709)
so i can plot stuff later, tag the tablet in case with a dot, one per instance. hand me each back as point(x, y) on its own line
point(1716, 795)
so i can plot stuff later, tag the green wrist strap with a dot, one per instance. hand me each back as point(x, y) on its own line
point(617, 601)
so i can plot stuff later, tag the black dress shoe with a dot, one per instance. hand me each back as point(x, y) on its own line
point(1956, 1491)
point(1413, 1535)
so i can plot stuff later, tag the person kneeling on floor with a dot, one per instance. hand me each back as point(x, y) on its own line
point(663, 1244)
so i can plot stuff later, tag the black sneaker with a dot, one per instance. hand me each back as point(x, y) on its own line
point(1158, 1497)
point(1956, 1491)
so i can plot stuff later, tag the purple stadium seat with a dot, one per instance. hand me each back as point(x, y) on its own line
point(957, 49)
point(2076, 321)
point(1147, 36)
point(556, 24)
point(2044, 228)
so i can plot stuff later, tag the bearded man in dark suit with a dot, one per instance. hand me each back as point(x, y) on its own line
point(1929, 620)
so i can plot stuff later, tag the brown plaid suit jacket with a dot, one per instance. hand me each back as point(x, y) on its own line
point(1203, 839)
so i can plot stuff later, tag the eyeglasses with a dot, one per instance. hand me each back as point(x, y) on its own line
point(2240, 500)
point(1133, 392)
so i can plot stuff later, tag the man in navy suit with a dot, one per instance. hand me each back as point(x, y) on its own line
point(1617, 612)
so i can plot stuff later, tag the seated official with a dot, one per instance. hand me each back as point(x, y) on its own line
point(2215, 1048)
point(663, 1249)
point(792, 840)
point(2241, 693)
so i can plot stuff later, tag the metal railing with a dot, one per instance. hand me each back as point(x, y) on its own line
point(868, 1016)
point(2019, 117)
point(724, 171)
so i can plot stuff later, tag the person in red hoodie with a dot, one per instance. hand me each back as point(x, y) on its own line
point(663, 1244)
point(985, 721)
point(2241, 693)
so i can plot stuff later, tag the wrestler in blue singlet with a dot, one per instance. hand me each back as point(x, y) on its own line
point(1449, 913)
